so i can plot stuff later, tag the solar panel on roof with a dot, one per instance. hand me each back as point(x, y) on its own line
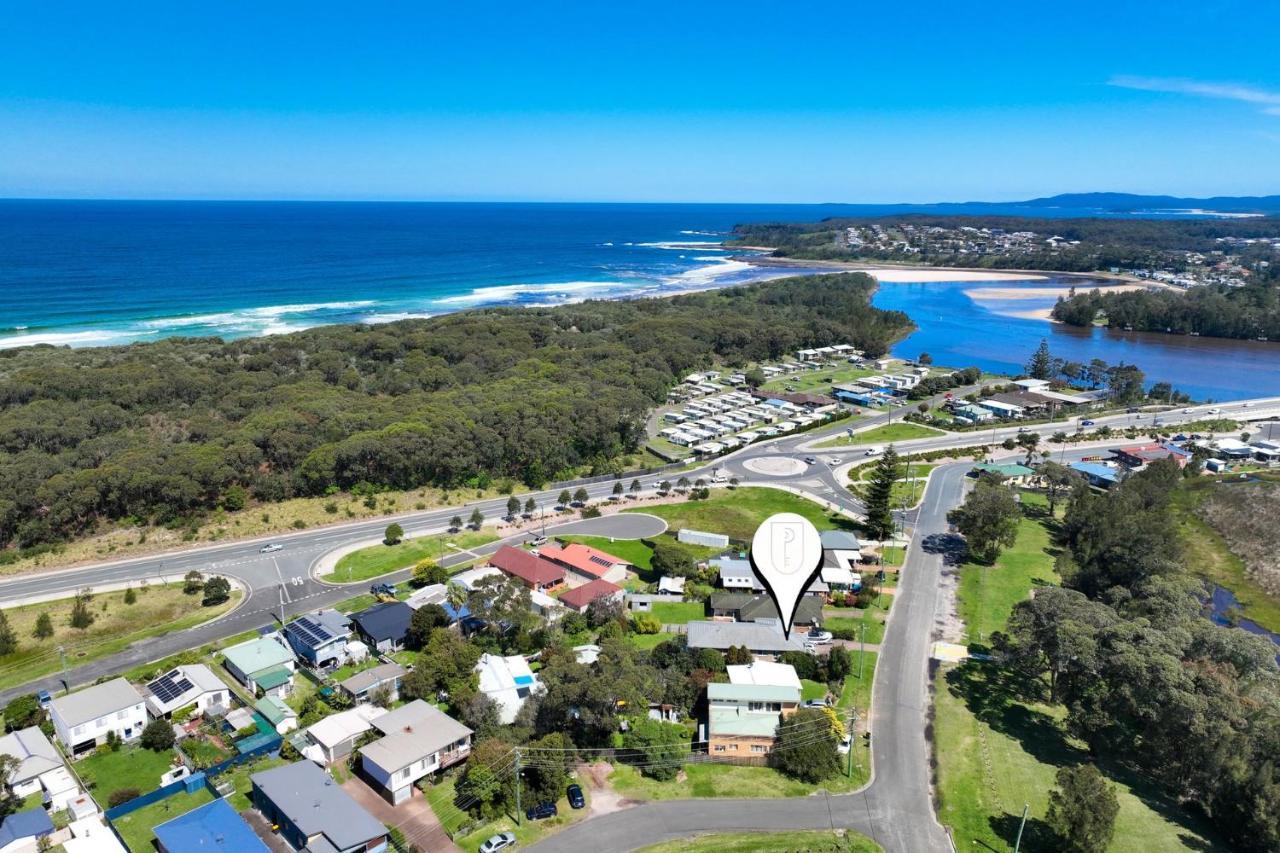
point(599, 561)
point(170, 686)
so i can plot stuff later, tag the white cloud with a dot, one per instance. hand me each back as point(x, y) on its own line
point(1268, 101)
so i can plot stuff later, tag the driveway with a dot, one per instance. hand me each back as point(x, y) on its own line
point(414, 818)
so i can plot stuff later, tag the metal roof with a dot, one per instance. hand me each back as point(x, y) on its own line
point(93, 702)
point(316, 804)
point(413, 732)
point(213, 826)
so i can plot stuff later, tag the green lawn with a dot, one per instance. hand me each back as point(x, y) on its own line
point(648, 641)
point(818, 380)
point(239, 777)
point(810, 689)
point(441, 796)
point(633, 551)
point(724, 780)
point(679, 612)
point(136, 827)
point(158, 609)
point(814, 841)
point(988, 593)
point(908, 490)
point(377, 560)
point(738, 512)
point(873, 632)
point(886, 434)
point(127, 767)
point(856, 690)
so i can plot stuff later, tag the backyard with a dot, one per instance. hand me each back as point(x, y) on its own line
point(136, 828)
point(377, 560)
point(157, 609)
point(679, 612)
point(127, 767)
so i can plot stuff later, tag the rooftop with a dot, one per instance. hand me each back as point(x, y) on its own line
point(29, 824)
point(388, 620)
point(89, 704)
point(582, 558)
point(344, 725)
point(257, 655)
point(413, 731)
point(274, 709)
point(764, 673)
point(362, 681)
point(528, 567)
point(214, 826)
point(580, 597)
point(33, 752)
point(315, 803)
point(839, 540)
point(756, 636)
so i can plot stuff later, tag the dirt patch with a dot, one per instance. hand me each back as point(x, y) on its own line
point(604, 799)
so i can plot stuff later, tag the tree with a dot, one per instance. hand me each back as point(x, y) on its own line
point(1082, 810)
point(513, 506)
point(158, 735)
point(81, 616)
point(1040, 365)
point(476, 519)
point(664, 486)
point(216, 590)
point(22, 712)
point(1125, 383)
point(564, 498)
point(447, 663)
point(755, 377)
point(8, 638)
point(44, 626)
point(658, 748)
point(682, 484)
point(427, 572)
point(424, 621)
point(603, 611)
point(456, 594)
point(1058, 479)
point(988, 519)
point(530, 506)
point(486, 783)
point(635, 487)
point(807, 746)
point(1028, 441)
point(455, 523)
point(925, 359)
point(130, 595)
point(738, 655)
point(879, 495)
point(394, 533)
point(580, 495)
point(645, 622)
point(839, 664)
point(481, 714)
point(9, 801)
point(617, 488)
point(192, 582)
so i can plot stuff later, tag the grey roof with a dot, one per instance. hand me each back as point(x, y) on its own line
point(316, 804)
point(413, 732)
point(93, 702)
point(362, 681)
point(34, 752)
point(756, 636)
point(839, 540)
point(749, 607)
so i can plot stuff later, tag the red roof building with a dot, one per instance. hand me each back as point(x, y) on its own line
point(532, 570)
point(583, 559)
point(580, 598)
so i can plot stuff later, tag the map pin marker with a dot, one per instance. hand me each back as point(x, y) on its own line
point(786, 554)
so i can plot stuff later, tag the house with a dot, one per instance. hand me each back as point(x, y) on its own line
point(1031, 384)
point(530, 569)
point(764, 673)
point(283, 718)
point(21, 831)
point(669, 585)
point(507, 681)
point(586, 562)
point(436, 593)
point(760, 638)
point(1001, 410)
point(334, 737)
point(214, 826)
point(742, 719)
point(837, 572)
point(736, 573)
point(384, 625)
point(749, 607)
point(1141, 455)
point(313, 812)
point(91, 835)
point(1099, 475)
point(1232, 448)
point(699, 537)
point(320, 639)
point(82, 719)
point(417, 739)
point(189, 684)
point(580, 598)
point(39, 768)
point(263, 665)
point(361, 686)
point(972, 413)
point(1009, 471)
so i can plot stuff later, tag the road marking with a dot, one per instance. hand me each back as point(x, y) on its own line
point(284, 592)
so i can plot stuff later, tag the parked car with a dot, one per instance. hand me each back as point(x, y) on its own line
point(1087, 422)
point(845, 745)
point(538, 541)
point(817, 635)
point(576, 799)
point(809, 460)
point(383, 589)
point(815, 703)
point(44, 699)
point(541, 811)
point(269, 549)
point(501, 841)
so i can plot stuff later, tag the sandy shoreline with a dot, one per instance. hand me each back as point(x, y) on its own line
point(900, 273)
point(1042, 292)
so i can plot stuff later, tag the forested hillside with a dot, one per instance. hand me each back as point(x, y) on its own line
point(164, 430)
point(1221, 312)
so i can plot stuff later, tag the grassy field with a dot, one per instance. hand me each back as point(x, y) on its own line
point(239, 777)
point(810, 689)
point(988, 593)
point(648, 641)
point(127, 767)
point(818, 380)
point(883, 435)
point(378, 560)
point(159, 609)
point(679, 612)
point(136, 827)
point(739, 512)
point(873, 632)
point(724, 780)
point(783, 842)
point(907, 490)
point(633, 551)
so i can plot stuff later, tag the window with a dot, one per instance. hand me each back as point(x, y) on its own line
point(756, 747)
point(120, 715)
point(755, 706)
point(719, 747)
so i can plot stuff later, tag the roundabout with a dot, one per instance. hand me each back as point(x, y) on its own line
point(775, 466)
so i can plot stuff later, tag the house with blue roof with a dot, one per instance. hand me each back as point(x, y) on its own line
point(320, 638)
point(23, 830)
point(214, 826)
point(1099, 475)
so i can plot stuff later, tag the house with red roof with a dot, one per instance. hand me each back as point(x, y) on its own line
point(530, 569)
point(1142, 455)
point(579, 598)
point(586, 563)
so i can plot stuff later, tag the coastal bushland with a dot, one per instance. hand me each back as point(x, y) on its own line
point(162, 432)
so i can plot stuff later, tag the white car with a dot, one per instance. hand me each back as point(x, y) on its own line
point(1215, 411)
point(501, 841)
point(271, 549)
point(1187, 411)
point(845, 744)
point(818, 637)
point(874, 451)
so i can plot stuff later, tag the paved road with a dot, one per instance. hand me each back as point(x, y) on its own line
point(896, 808)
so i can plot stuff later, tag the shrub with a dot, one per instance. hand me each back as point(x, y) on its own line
point(645, 623)
point(120, 796)
point(158, 735)
point(216, 591)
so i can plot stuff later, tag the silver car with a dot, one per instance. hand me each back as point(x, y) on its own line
point(501, 841)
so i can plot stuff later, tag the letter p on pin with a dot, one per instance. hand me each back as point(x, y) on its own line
point(786, 553)
point(787, 545)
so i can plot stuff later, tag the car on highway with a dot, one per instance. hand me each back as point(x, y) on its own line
point(833, 461)
point(817, 635)
point(1215, 411)
point(538, 541)
point(1187, 411)
point(809, 460)
point(271, 549)
point(541, 811)
point(1087, 422)
point(874, 451)
point(576, 799)
point(501, 841)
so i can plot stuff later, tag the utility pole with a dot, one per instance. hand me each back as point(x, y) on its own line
point(862, 646)
point(853, 725)
point(519, 811)
point(1025, 808)
point(66, 685)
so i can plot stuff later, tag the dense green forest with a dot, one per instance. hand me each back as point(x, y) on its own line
point(1221, 312)
point(1103, 243)
point(165, 430)
point(1146, 679)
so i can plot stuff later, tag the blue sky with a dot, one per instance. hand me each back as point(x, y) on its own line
point(744, 101)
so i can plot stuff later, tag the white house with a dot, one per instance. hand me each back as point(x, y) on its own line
point(417, 739)
point(82, 720)
point(39, 768)
point(508, 681)
point(764, 673)
point(335, 736)
point(191, 684)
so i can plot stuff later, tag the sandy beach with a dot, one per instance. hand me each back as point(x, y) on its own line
point(1038, 292)
point(928, 275)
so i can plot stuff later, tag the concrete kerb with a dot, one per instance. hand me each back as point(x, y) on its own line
point(115, 586)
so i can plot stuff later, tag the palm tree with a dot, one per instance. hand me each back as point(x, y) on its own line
point(456, 594)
